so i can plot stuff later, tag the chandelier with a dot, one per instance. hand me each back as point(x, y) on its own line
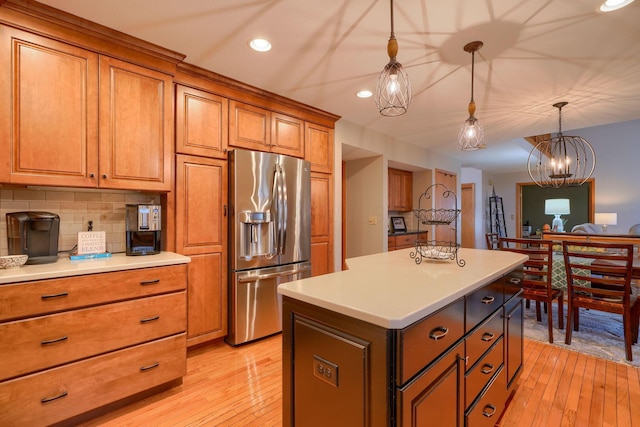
point(471, 135)
point(561, 161)
point(393, 91)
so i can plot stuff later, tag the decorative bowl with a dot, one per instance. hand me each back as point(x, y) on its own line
point(12, 261)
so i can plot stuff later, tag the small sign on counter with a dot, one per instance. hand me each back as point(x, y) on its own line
point(92, 242)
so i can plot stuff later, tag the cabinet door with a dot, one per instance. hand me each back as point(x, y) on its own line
point(206, 298)
point(514, 343)
point(201, 123)
point(400, 190)
point(201, 197)
point(319, 147)
point(249, 126)
point(48, 111)
point(436, 396)
point(136, 127)
point(321, 223)
point(287, 135)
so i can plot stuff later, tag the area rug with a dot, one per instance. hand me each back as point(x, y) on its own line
point(600, 334)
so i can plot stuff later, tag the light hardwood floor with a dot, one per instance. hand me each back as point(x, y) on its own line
point(242, 387)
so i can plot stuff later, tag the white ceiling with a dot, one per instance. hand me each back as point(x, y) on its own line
point(536, 53)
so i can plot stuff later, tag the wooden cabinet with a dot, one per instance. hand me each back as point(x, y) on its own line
point(405, 241)
point(202, 123)
point(95, 122)
point(70, 350)
point(448, 368)
point(256, 128)
point(400, 190)
point(321, 223)
point(319, 147)
point(201, 232)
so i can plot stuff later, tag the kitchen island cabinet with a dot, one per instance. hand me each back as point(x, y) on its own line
point(79, 335)
point(391, 342)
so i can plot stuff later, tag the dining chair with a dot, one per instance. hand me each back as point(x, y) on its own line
point(492, 240)
point(599, 278)
point(536, 280)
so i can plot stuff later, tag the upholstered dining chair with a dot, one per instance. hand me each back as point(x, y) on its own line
point(492, 240)
point(599, 278)
point(536, 280)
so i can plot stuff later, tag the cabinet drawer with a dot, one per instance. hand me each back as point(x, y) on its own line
point(20, 300)
point(405, 240)
point(480, 374)
point(91, 383)
point(42, 342)
point(483, 302)
point(489, 407)
point(422, 342)
point(483, 337)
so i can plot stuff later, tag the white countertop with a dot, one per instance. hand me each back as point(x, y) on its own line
point(390, 290)
point(65, 267)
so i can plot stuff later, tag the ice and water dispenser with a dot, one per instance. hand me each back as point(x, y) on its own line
point(257, 232)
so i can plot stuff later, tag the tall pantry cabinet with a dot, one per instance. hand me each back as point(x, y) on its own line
point(215, 114)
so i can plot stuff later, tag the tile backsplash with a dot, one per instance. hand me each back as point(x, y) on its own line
point(75, 208)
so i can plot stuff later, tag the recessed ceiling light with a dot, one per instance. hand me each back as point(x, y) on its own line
point(260, 45)
point(364, 94)
point(610, 5)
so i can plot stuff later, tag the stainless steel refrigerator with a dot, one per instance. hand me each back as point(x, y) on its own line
point(269, 238)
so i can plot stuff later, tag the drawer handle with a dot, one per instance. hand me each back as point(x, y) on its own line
point(487, 368)
point(438, 333)
point(53, 341)
point(514, 280)
point(488, 300)
point(51, 296)
point(489, 414)
point(149, 367)
point(51, 399)
point(488, 336)
point(149, 282)
point(150, 319)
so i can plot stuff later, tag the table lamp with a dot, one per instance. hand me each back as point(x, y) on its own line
point(557, 207)
point(605, 219)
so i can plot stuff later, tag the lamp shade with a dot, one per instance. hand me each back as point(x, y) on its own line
point(557, 207)
point(606, 218)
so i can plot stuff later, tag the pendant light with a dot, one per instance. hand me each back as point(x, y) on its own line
point(471, 135)
point(393, 91)
point(561, 161)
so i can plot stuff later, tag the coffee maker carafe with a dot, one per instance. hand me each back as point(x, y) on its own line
point(143, 229)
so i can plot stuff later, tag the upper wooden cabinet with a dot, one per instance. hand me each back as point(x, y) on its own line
point(201, 123)
point(136, 127)
point(400, 190)
point(319, 147)
point(259, 129)
point(72, 117)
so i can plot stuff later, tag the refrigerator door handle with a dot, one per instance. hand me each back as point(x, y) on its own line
point(275, 191)
point(248, 279)
point(285, 209)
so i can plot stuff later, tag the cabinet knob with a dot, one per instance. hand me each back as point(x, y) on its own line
point(104, 176)
point(91, 175)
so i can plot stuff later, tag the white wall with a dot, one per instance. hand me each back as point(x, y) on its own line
point(475, 176)
point(410, 156)
point(616, 175)
point(366, 201)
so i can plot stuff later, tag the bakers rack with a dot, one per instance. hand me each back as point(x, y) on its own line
point(437, 249)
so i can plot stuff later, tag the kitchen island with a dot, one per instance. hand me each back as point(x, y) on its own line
point(392, 342)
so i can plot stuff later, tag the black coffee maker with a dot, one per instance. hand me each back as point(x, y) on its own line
point(143, 229)
point(34, 234)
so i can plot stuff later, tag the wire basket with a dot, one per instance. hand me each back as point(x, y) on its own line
point(436, 216)
point(436, 250)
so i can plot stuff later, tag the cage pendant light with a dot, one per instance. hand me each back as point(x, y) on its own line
point(393, 91)
point(471, 135)
point(561, 161)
